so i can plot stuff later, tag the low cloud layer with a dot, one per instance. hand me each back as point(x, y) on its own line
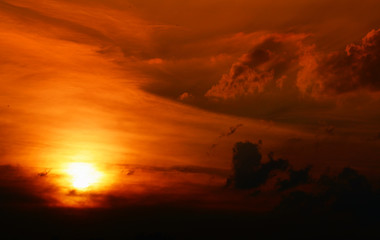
point(249, 172)
point(347, 191)
point(20, 188)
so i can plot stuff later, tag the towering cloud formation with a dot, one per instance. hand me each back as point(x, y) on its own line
point(248, 171)
point(267, 66)
point(356, 68)
point(286, 62)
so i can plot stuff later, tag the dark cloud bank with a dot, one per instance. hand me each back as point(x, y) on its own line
point(329, 206)
point(347, 191)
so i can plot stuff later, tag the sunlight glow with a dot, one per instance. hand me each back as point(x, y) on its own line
point(83, 175)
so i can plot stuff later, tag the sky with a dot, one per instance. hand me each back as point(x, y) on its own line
point(165, 98)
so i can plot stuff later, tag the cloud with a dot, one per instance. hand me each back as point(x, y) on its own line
point(246, 160)
point(266, 66)
point(18, 188)
point(290, 78)
point(184, 96)
point(296, 178)
point(130, 169)
point(356, 68)
point(346, 192)
point(248, 171)
point(286, 61)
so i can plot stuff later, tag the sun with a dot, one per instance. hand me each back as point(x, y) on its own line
point(83, 175)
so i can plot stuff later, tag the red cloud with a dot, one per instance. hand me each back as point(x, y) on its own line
point(266, 66)
point(284, 61)
point(356, 68)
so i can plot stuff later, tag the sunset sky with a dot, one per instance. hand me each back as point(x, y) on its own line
point(150, 98)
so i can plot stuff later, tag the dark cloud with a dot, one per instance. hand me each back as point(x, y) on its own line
point(298, 201)
point(343, 190)
point(345, 193)
point(331, 201)
point(17, 188)
point(248, 171)
point(296, 178)
point(349, 190)
point(130, 169)
point(246, 160)
point(199, 169)
point(266, 169)
point(356, 68)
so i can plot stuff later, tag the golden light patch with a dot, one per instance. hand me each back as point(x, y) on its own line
point(83, 175)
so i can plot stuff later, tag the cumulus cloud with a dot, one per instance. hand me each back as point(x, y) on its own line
point(267, 65)
point(248, 171)
point(285, 61)
point(357, 67)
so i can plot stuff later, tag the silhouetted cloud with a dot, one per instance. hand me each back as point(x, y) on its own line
point(130, 169)
point(248, 171)
point(17, 188)
point(296, 178)
point(246, 161)
point(348, 192)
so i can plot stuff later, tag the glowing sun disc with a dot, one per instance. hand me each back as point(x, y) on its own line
point(83, 175)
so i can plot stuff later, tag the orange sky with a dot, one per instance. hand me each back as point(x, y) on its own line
point(150, 85)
